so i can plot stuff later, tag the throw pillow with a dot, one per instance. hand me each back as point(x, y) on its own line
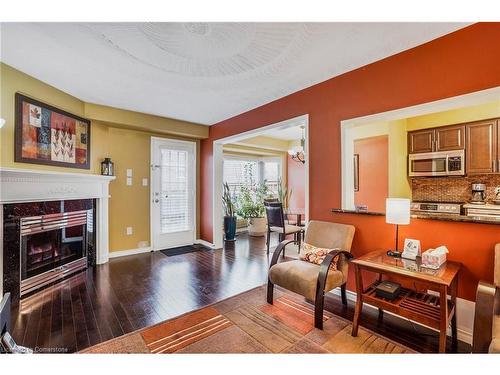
point(316, 255)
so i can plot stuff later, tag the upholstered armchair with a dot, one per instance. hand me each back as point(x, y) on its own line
point(487, 315)
point(311, 280)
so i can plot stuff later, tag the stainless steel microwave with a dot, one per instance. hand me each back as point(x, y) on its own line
point(443, 163)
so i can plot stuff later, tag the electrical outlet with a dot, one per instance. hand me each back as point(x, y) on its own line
point(144, 182)
point(129, 231)
point(129, 172)
point(129, 181)
point(143, 244)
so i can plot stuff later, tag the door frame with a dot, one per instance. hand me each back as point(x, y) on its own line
point(151, 193)
point(218, 160)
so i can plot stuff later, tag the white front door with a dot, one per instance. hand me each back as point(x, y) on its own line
point(173, 193)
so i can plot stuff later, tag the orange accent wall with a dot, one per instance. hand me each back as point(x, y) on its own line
point(373, 172)
point(458, 63)
point(296, 179)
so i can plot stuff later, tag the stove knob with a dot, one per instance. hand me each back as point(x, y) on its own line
point(453, 208)
point(441, 207)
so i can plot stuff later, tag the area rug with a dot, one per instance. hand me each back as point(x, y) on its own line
point(245, 323)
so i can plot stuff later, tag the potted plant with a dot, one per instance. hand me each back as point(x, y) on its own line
point(284, 195)
point(251, 207)
point(229, 214)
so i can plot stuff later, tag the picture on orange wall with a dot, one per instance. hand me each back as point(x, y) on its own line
point(50, 136)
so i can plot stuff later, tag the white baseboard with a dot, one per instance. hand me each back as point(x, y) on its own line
point(465, 315)
point(123, 253)
point(204, 243)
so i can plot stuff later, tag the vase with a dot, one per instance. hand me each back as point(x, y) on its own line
point(257, 227)
point(230, 228)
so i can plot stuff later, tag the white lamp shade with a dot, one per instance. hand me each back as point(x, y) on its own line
point(397, 211)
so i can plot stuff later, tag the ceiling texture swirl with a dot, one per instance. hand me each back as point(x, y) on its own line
point(198, 71)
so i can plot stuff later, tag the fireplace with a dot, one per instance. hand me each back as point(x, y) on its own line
point(46, 241)
point(52, 247)
point(50, 208)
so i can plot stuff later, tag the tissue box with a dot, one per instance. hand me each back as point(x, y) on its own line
point(433, 258)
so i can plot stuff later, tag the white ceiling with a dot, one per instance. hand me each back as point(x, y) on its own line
point(288, 134)
point(200, 72)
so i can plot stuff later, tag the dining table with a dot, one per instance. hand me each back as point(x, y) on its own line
point(297, 212)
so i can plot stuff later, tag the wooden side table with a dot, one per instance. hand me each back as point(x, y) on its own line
point(434, 311)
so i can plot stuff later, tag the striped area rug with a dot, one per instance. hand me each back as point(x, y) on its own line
point(247, 324)
point(171, 336)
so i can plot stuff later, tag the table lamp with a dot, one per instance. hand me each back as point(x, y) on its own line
point(397, 211)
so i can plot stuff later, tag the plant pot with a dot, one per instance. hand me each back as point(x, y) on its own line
point(229, 228)
point(257, 227)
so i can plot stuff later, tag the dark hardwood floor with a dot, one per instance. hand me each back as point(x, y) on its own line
point(137, 291)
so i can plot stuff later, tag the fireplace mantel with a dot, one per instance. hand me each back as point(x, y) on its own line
point(24, 185)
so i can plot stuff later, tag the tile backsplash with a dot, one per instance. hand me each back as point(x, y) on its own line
point(451, 189)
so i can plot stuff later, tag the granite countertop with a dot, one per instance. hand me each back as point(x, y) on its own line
point(426, 216)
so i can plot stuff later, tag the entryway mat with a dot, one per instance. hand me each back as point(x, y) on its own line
point(184, 250)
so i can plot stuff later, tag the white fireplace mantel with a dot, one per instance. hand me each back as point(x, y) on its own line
point(24, 185)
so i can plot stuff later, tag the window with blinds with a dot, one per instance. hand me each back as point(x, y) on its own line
point(239, 172)
point(175, 202)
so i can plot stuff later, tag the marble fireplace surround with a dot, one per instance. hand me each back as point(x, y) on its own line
point(24, 185)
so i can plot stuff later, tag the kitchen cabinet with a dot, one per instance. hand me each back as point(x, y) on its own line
point(482, 147)
point(450, 138)
point(445, 138)
point(421, 141)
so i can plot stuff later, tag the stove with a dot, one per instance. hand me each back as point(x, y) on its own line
point(449, 208)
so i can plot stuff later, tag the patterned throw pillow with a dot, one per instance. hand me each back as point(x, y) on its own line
point(316, 255)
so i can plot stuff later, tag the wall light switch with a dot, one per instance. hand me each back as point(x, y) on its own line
point(129, 181)
point(129, 231)
point(129, 172)
point(144, 182)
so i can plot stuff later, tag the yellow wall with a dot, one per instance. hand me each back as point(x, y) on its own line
point(455, 116)
point(127, 147)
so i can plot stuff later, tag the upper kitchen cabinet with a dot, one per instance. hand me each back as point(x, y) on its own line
point(482, 146)
point(421, 141)
point(445, 138)
point(450, 138)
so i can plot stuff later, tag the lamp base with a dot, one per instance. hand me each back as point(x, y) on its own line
point(394, 253)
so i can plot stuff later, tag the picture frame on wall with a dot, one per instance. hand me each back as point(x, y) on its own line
point(50, 136)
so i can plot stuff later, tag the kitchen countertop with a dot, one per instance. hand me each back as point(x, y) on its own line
point(425, 216)
point(457, 218)
point(359, 212)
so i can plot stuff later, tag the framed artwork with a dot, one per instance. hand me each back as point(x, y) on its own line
point(356, 172)
point(50, 136)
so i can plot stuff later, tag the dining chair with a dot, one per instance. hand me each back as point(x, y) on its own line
point(276, 223)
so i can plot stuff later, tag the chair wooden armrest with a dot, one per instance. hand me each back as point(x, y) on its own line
point(320, 285)
point(487, 296)
point(325, 266)
point(281, 246)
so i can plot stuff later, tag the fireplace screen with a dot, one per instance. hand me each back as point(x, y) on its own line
point(51, 247)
